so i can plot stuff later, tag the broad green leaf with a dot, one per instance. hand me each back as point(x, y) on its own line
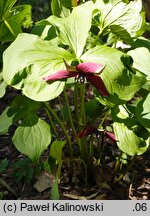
point(6, 32)
point(129, 16)
point(128, 141)
point(32, 59)
point(120, 82)
point(3, 86)
point(13, 19)
point(73, 30)
point(141, 42)
point(56, 150)
point(96, 108)
point(121, 33)
point(33, 137)
point(141, 59)
point(143, 111)
point(6, 121)
point(45, 30)
point(22, 106)
point(61, 8)
point(22, 15)
point(6, 5)
point(21, 102)
point(128, 132)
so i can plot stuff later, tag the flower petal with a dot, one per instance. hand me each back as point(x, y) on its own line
point(88, 130)
point(98, 83)
point(110, 135)
point(90, 67)
point(62, 74)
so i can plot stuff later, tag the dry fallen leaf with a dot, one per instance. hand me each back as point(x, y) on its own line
point(44, 181)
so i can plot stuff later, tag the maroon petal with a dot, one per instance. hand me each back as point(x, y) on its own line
point(98, 83)
point(62, 74)
point(110, 135)
point(89, 67)
point(88, 130)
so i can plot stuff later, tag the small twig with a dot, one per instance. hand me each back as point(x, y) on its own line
point(4, 183)
point(77, 197)
point(130, 188)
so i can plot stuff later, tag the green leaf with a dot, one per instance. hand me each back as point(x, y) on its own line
point(33, 137)
point(23, 103)
point(96, 108)
point(128, 141)
point(73, 30)
point(13, 19)
point(23, 170)
point(143, 111)
point(45, 30)
point(55, 191)
point(22, 106)
point(120, 82)
point(128, 132)
point(6, 121)
point(3, 86)
point(121, 33)
point(32, 59)
point(141, 42)
point(3, 165)
point(141, 60)
point(56, 150)
point(129, 16)
point(61, 8)
point(6, 5)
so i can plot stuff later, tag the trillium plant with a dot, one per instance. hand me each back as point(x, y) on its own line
point(83, 79)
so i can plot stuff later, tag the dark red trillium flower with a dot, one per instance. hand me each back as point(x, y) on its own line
point(88, 130)
point(87, 71)
point(78, 2)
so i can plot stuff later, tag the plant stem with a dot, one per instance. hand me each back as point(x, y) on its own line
point(75, 98)
point(96, 38)
point(51, 123)
point(128, 168)
point(116, 166)
point(82, 113)
point(4, 183)
point(84, 151)
point(70, 117)
point(84, 164)
point(102, 148)
point(103, 119)
point(61, 106)
point(91, 147)
point(62, 127)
